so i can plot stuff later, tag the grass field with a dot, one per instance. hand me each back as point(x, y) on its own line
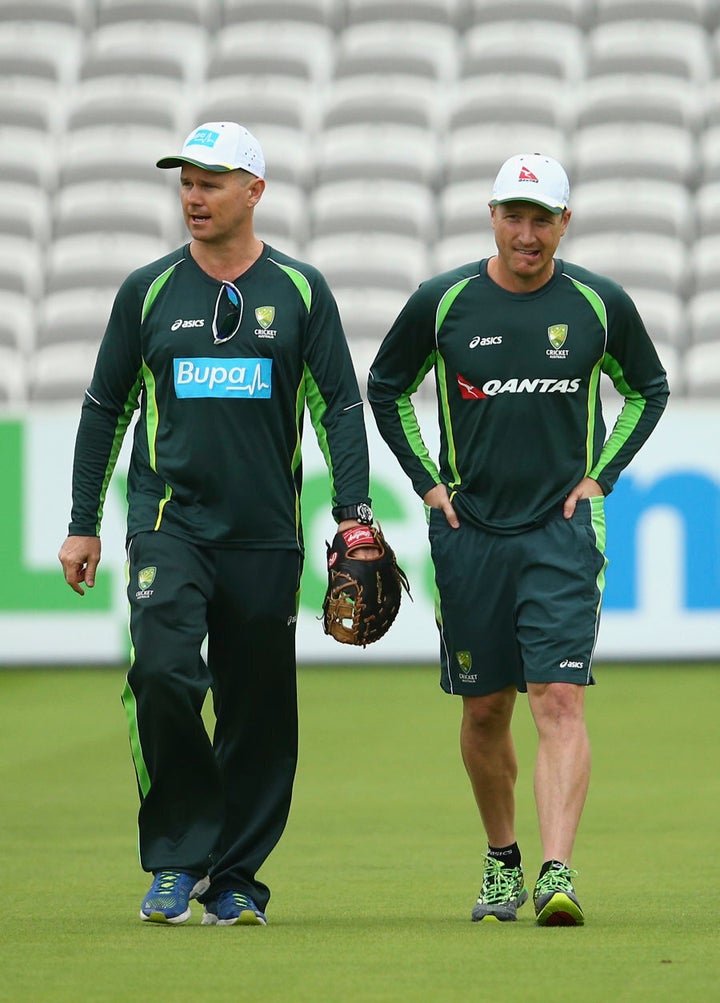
point(376, 875)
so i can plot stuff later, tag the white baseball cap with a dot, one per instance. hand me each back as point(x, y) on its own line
point(531, 177)
point(220, 146)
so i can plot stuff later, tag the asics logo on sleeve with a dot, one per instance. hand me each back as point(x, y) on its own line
point(226, 378)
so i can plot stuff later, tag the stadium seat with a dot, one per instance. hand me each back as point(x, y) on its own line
point(632, 259)
point(26, 211)
point(77, 13)
point(13, 378)
point(60, 374)
point(636, 151)
point(173, 52)
point(676, 49)
point(548, 49)
point(402, 152)
point(560, 11)
point(411, 48)
point(200, 12)
point(488, 100)
point(322, 12)
point(267, 100)
point(705, 263)
point(475, 153)
point(17, 321)
point(98, 260)
point(664, 315)
point(281, 216)
point(383, 99)
point(655, 206)
point(394, 263)
point(463, 207)
point(710, 103)
point(373, 205)
point(439, 12)
point(30, 104)
point(706, 201)
point(693, 11)
point(115, 206)
point(61, 319)
point(21, 266)
point(28, 156)
point(709, 155)
point(460, 249)
point(141, 101)
point(367, 314)
point(287, 152)
point(702, 371)
point(301, 50)
point(704, 316)
point(617, 98)
point(42, 50)
point(101, 153)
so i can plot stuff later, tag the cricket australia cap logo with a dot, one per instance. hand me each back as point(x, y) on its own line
point(557, 335)
point(265, 315)
point(145, 579)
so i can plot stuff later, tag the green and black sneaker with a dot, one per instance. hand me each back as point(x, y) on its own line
point(555, 901)
point(503, 892)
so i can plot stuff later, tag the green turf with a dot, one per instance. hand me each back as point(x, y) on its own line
point(376, 875)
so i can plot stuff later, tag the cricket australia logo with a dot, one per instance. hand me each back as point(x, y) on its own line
point(145, 578)
point(557, 335)
point(464, 660)
point(265, 315)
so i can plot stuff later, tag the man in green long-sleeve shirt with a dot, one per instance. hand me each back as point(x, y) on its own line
point(517, 344)
point(221, 345)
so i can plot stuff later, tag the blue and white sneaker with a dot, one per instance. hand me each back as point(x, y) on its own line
point(230, 908)
point(168, 899)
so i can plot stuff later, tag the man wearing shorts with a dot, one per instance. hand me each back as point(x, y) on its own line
point(517, 343)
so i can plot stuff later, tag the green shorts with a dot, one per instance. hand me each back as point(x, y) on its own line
point(513, 609)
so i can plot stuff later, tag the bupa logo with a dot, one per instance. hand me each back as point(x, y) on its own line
point(248, 378)
point(204, 137)
point(177, 324)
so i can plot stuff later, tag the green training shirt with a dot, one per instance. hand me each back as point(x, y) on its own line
point(216, 451)
point(518, 378)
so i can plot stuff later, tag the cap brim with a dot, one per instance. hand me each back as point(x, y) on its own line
point(556, 209)
point(179, 161)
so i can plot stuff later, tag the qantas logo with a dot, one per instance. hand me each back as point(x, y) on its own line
point(514, 386)
point(526, 175)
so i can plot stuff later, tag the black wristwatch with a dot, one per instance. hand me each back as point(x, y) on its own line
point(362, 512)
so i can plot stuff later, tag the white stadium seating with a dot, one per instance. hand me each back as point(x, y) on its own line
point(383, 123)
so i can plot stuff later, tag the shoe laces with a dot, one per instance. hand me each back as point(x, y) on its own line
point(166, 881)
point(242, 900)
point(500, 883)
point(556, 879)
